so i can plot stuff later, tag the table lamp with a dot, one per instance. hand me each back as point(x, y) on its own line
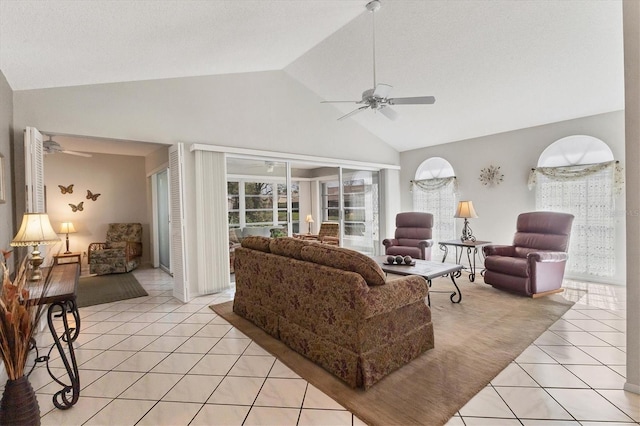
point(309, 220)
point(466, 211)
point(34, 231)
point(67, 228)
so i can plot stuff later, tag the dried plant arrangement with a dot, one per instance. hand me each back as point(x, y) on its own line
point(20, 313)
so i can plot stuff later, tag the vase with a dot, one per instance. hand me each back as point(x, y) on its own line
point(19, 405)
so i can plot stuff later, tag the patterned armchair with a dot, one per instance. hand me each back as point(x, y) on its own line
point(329, 233)
point(121, 252)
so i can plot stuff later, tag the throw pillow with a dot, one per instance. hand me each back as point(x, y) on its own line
point(233, 237)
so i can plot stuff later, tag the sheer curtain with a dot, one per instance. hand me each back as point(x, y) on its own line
point(587, 192)
point(437, 196)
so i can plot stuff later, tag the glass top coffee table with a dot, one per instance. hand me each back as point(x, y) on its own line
point(428, 270)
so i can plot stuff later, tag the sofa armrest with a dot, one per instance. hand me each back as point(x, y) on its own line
point(547, 256)
point(390, 242)
point(394, 295)
point(94, 247)
point(425, 243)
point(497, 250)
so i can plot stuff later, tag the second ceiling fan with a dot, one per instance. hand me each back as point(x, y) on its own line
point(378, 98)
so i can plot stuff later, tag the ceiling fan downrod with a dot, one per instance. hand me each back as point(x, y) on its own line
point(372, 7)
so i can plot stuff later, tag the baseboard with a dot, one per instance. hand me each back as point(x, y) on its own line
point(546, 293)
point(630, 387)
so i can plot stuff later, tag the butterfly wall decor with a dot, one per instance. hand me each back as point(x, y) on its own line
point(92, 196)
point(66, 189)
point(77, 208)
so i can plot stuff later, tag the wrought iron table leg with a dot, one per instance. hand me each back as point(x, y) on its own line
point(445, 249)
point(457, 292)
point(472, 263)
point(59, 310)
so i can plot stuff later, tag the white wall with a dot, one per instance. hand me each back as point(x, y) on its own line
point(6, 135)
point(263, 110)
point(516, 153)
point(119, 179)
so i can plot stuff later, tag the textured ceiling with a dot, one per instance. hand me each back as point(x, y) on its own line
point(493, 65)
point(66, 43)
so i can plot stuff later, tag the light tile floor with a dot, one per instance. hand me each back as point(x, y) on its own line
point(156, 361)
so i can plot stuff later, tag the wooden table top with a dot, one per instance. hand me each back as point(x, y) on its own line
point(62, 284)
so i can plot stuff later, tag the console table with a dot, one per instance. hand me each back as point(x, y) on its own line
point(61, 297)
point(64, 258)
point(472, 252)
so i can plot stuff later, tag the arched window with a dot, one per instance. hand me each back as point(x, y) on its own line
point(577, 175)
point(434, 191)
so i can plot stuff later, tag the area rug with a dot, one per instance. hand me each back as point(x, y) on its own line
point(474, 341)
point(108, 288)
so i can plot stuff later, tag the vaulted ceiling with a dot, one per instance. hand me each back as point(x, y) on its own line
point(493, 65)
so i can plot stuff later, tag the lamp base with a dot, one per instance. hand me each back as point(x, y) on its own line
point(467, 233)
point(35, 261)
point(68, 251)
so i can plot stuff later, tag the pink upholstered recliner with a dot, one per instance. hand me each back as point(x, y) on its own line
point(412, 237)
point(534, 265)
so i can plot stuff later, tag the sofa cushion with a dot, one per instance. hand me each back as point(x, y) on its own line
point(287, 246)
point(256, 242)
point(517, 266)
point(346, 260)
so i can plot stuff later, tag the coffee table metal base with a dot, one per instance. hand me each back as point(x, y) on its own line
point(428, 270)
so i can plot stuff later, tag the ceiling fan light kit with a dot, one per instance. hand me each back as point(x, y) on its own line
point(377, 98)
point(52, 147)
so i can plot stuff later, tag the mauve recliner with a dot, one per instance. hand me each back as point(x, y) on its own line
point(534, 265)
point(412, 237)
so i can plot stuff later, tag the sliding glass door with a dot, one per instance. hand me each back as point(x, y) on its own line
point(273, 198)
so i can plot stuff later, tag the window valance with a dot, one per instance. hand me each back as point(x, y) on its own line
point(434, 184)
point(574, 173)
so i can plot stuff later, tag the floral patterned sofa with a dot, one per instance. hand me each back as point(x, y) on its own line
point(333, 305)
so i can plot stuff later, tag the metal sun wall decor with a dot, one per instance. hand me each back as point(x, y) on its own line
point(491, 176)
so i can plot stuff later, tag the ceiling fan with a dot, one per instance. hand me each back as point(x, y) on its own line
point(52, 147)
point(378, 98)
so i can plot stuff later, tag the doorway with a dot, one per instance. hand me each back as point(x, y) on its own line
point(163, 220)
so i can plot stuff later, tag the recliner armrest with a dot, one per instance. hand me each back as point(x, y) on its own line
point(425, 243)
point(499, 250)
point(547, 256)
point(390, 242)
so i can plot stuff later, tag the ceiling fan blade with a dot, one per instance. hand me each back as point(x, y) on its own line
point(355, 111)
point(79, 154)
point(425, 100)
point(382, 91)
point(389, 113)
point(334, 102)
